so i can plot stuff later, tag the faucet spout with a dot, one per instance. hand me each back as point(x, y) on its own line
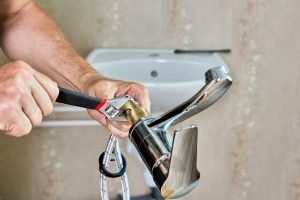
point(217, 82)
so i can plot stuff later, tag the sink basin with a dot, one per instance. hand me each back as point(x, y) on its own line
point(170, 78)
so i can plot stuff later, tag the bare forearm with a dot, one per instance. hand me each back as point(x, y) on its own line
point(30, 35)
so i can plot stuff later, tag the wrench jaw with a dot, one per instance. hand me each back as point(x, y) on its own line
point(123, 108)
point(113, 108)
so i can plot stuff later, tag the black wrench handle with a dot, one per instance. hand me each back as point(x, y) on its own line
point(73, 98)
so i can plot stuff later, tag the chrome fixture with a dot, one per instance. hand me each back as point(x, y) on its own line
point(172, 159)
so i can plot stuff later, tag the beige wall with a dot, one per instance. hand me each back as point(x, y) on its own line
point(249, 142)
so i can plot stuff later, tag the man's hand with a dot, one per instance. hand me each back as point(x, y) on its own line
point(26, 96)
point(28, 34)
point(106, 88)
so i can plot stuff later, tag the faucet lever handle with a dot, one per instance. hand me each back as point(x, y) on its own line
point(183, 173)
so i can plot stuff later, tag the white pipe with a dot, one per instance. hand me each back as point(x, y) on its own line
point(68, 109)
point(66, 123)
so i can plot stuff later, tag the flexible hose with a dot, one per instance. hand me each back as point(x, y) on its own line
point(113, 149)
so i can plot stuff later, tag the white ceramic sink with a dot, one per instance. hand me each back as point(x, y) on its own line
point(170, 78)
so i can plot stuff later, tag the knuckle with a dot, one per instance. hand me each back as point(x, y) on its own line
point(36, 122)
point(18, 62)
point(54, 93)
point(134, 84)
point(16, 89)
point(21, 128)
point(27, 129)
point(21, 132)
point(37, 118)
point(21, 64)
point(22, 74)
point(21, 70)
point(47, 110)
point(140, 87)
point(6, 108)
point(19, 90)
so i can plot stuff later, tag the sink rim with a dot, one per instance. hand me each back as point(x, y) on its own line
point(101, 56)
point(112, 54)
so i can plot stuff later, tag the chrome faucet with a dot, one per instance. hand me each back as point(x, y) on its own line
point(172, 158)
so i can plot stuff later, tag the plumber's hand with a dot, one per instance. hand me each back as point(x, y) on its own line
point(106, 89)
point(26, 96)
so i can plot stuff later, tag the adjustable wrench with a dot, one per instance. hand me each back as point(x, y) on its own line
point(113, 109)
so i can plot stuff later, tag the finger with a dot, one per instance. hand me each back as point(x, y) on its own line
point(49, 86)
point(103, 94)
point(139, 93)
point(41, 98)
point(120, 129)
point(122, 126)
point(116, 132)
point(21, 126)
point(142, 97)
point(98, 117)
point(144, 101)
point(32, 111)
